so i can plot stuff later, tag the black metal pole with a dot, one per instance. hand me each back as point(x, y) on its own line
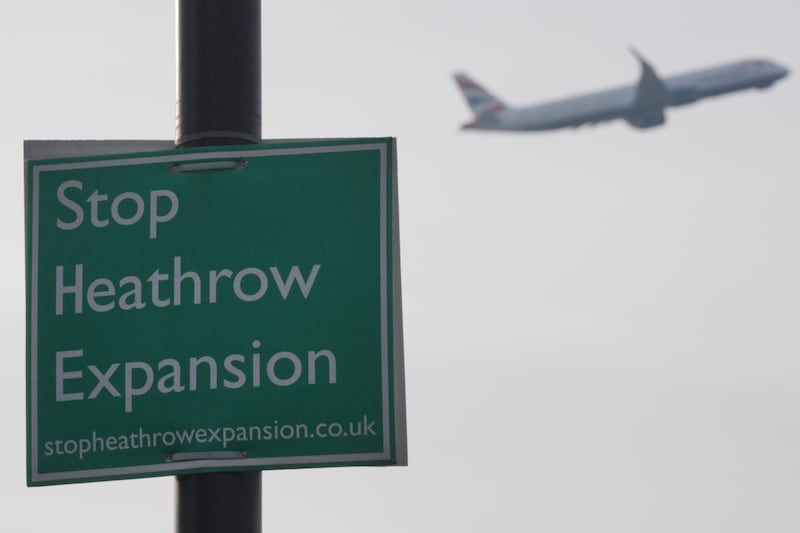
point(219, 102)
point(219, 72)
point(222, 502)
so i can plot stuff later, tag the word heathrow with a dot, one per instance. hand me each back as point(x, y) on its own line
point(166, 288)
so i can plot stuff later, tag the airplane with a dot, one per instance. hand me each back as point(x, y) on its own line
point(641, 105)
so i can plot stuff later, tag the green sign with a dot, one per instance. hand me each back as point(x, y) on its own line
point(232, 308)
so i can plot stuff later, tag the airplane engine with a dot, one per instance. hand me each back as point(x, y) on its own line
point(646, 118)
point(683, 96)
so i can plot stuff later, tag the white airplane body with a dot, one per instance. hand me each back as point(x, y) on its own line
point(641, 105)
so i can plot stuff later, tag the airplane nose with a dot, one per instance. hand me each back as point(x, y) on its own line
point(782, 72)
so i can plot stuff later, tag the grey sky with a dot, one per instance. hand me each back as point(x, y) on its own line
point(601, 325)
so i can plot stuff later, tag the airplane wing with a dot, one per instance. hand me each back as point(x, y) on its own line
point(651, 98)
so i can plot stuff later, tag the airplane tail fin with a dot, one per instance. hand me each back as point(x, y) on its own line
point(481, 101)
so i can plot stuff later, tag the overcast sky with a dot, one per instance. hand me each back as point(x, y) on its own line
point(602, 326)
